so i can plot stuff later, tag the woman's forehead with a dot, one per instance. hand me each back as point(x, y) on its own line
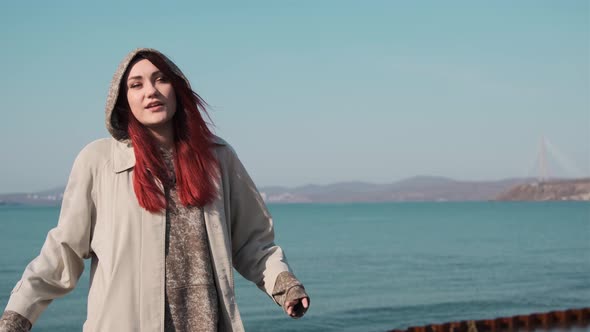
point(142, 68)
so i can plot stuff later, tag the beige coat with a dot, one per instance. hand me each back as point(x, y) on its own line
point(101, 219)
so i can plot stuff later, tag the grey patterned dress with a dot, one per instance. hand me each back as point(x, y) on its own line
point(191, 295)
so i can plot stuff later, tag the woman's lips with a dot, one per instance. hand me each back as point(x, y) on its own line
point(155, 107)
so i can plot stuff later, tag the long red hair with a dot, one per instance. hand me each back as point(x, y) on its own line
point(195, 165)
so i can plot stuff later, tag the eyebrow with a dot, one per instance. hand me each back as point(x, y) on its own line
point(139, 76)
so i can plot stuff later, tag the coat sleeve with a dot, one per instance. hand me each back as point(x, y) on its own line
point(59, 265)
point(255, 254)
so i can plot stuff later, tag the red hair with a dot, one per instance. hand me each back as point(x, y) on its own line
point(195, 165)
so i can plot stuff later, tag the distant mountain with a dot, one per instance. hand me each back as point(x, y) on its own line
point(419, 188)
point(415, 189)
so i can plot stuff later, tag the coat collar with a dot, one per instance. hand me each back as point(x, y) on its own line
point(124, 157)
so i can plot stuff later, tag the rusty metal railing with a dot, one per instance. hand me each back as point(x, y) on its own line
point(562, 320)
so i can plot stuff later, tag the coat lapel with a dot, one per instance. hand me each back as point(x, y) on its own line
point(220, 246)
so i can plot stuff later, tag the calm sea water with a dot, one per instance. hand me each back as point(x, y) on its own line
point(375, 267)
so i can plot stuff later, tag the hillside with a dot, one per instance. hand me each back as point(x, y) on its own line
point(415, 189)
point(558, 190)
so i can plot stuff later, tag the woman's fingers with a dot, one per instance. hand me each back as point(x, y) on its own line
point(297, 307)
point(305, 302)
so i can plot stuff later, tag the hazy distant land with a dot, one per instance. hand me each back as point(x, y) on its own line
point(415, 189)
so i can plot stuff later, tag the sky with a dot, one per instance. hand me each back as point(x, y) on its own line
point(313, 92)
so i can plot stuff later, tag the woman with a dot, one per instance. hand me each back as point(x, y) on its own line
point(163, 209)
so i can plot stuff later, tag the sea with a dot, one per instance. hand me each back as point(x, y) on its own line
point(380, 266)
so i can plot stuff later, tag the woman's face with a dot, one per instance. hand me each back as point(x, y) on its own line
point(150, 96)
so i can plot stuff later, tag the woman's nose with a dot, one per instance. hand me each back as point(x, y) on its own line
point(151, 90)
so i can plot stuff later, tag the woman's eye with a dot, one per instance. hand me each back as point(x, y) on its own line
point(134, 85)
point(162, 79)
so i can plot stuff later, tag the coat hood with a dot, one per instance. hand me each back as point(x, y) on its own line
point(114, 126)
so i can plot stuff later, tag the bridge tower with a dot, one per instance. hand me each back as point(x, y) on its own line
point(543, 175)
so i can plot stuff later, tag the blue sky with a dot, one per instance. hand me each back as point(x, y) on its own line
point(313, 91)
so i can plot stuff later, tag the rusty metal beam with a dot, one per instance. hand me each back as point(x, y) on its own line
point(562, 319)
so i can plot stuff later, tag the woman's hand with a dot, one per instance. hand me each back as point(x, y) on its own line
point(297, 307)
point(290, 292)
